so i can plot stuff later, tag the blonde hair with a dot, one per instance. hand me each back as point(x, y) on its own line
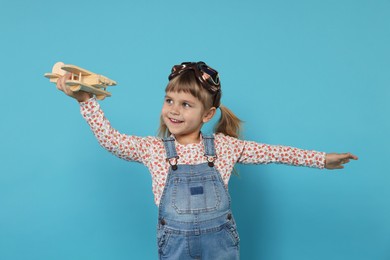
point(228, 123)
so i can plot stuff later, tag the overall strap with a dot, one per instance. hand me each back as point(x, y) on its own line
point(209, 149)
point(208, 141)
point(170, 149)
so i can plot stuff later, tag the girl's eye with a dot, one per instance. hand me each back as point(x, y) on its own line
point(169, 101)
point(186, 105)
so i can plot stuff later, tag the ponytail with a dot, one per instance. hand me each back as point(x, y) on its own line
point(229, 123)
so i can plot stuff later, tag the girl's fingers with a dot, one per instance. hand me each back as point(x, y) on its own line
point(350, 156)
point(59, 87)
point(354, 157)
point(61, 82)
point(343, 161)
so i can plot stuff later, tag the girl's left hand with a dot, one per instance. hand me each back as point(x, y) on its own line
point(336, 160)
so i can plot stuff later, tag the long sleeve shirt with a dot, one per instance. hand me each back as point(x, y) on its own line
point(150, 150)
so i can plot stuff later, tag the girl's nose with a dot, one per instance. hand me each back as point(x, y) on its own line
point(174, 110)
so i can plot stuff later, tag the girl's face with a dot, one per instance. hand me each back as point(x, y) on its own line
point(184, 116)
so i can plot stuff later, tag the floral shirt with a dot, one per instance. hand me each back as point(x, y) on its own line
point(150, 150)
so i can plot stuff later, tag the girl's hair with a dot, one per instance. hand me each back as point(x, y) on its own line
point(228, 124)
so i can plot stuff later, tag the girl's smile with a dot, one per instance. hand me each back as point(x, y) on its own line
point(174, 121)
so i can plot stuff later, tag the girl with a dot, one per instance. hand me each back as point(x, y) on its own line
point(190, 171)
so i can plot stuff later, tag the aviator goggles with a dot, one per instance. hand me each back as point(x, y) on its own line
point(208, 77)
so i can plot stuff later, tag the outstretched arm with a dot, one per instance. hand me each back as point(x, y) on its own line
point(127, 147)
point(336, 160)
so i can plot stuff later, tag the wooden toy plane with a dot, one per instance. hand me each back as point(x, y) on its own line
point(82, 79)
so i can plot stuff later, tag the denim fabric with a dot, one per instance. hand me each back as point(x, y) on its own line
point(195, 219)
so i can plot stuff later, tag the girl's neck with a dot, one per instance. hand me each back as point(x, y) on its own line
point(188, 139)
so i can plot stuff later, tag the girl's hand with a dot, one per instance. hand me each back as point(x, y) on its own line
point(80, 96)
point(336, 160)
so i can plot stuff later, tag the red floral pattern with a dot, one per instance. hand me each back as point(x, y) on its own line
point(151, 152)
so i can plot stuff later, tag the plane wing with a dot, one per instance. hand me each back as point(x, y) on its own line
point(76, 85)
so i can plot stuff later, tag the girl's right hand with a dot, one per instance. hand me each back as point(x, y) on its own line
point(80, 96)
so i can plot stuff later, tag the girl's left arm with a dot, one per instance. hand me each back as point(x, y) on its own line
point(249, 152)
point(259, 153)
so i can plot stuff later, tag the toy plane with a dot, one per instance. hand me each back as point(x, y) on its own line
point(82, 79)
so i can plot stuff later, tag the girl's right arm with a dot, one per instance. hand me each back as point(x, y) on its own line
point(131, 148)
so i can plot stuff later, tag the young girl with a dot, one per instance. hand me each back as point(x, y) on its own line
point(190, 171)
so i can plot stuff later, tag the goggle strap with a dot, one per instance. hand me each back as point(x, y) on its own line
point(211, 83)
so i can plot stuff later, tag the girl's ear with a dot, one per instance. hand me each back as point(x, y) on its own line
point(208, 115)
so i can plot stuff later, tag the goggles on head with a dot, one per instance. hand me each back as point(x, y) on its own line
point(208, 77)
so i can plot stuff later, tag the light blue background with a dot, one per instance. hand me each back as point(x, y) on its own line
point(309, 74)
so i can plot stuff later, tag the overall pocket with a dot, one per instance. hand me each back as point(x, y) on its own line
point(193, 195)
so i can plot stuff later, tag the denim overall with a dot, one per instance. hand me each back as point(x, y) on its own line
point(195, 219)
